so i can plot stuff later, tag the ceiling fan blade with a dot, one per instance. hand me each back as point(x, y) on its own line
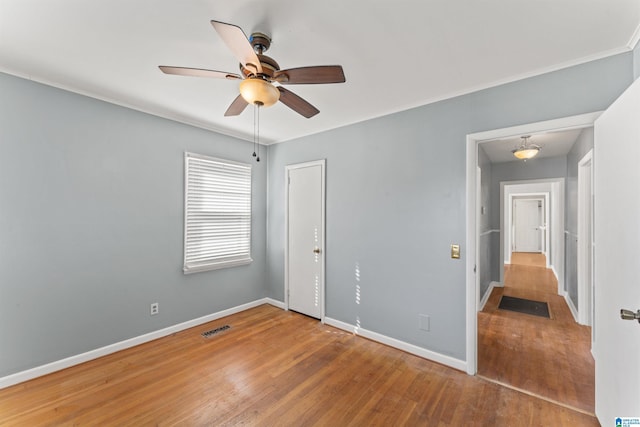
point(236, 40)
point(311, 75)
point(296, 103)
point(237, 106)
point(198, 72)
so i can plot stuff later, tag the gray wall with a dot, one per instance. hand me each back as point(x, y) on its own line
point(396, 199)
point(91, 225)
point(583, 144)
point(91, 201)
point(488, 242)
point(636, 61)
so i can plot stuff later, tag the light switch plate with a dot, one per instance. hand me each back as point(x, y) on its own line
point(455, 251)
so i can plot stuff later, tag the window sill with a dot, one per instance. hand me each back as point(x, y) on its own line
point(216, 266)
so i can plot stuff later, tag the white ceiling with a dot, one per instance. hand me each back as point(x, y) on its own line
point(396, 54)
point(553, 144)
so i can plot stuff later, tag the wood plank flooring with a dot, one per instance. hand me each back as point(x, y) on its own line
point(272, 368)
point(547, 357)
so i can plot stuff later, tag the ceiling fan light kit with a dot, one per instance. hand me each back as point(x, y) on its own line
point(526, 150)
point(258, 91)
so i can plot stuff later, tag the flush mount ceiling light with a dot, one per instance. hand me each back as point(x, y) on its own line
point(526, 150)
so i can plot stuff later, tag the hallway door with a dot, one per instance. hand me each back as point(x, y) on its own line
point(617, 250)
point(527, 219)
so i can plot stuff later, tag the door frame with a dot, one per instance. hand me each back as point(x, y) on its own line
point(573, 122)
point(585, 248)
point(555, 188)
point(288, 169)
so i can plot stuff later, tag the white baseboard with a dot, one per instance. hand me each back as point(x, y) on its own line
point(275, 303)
point(400, 345)
point(487, 294)
point(572, 308)
point(58, 365)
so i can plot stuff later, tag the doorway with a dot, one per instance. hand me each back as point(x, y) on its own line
point(552, 192)
point(517, 274)
point(574, 122)
point(305, 237)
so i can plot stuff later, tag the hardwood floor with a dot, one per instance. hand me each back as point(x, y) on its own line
point(550, 358)
point(272, 368)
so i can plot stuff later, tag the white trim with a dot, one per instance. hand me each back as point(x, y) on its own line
point(555, 273)
point(486, 296)
point(286, 238)
point(58, 365)
point(572, 307)
point(288, 168)
point(508, 240)
point(275, 303)
point(400, 345)
point(633, 41)
point(555, 187)
point(478, 218)
point(584, 247)
point(574, 122)
point(472, 257)
point(510, 230)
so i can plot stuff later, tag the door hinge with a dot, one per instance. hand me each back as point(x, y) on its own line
point(474, 269)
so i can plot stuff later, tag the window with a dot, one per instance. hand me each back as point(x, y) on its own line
point(217, 212)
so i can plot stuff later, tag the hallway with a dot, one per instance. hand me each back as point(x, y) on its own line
point(549, 358)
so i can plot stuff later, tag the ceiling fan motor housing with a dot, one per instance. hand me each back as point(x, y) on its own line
point(260, 42)
point(269, 67)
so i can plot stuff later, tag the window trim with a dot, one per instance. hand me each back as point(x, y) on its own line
point(189, 266)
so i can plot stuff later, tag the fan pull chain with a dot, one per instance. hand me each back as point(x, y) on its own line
point(258, 134)
point(255, 106)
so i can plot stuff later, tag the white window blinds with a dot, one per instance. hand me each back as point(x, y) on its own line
point(217, 226)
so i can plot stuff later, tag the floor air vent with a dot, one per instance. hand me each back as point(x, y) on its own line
point(215, 331)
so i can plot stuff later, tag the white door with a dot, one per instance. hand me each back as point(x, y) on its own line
point(527, 217)
point(305, 238)
point(617, 255)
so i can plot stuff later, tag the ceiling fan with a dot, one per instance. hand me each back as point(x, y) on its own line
point(261, 76)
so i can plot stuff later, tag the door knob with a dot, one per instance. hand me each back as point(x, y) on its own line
point(629, 315)
point(316, 251)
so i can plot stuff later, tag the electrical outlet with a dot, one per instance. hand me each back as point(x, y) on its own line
point(424, 322)
point(155, 308)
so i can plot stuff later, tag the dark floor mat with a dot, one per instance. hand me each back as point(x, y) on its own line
point(527, 306)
